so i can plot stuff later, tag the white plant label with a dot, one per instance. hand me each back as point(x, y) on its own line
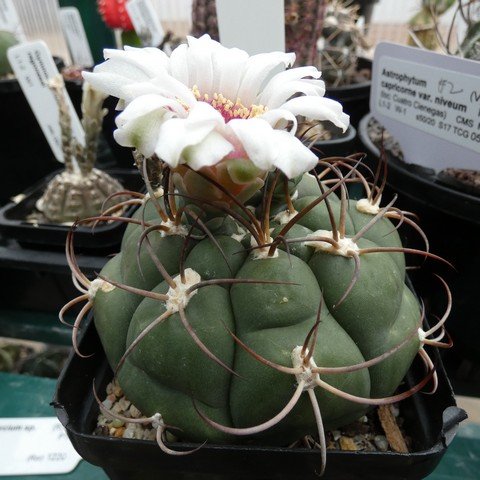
point(76, 37)
point(430, 103)
point(146, 22)
point(33, 66)
point(252, 25)
point(10, 21)
point(35, 446)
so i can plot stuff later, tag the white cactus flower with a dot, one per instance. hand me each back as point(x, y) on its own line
point(206, 103)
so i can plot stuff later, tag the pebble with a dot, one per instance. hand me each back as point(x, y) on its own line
point(381, 442)
point(347, 443)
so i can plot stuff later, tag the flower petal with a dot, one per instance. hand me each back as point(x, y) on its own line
point(318, 108)
point(146, 104)
point(164, 85)
point(255, 136)
point(208, 152)
point(151, 61)
point(280, 119)
point(293, 158)
point(289, 89)
point(109, 83)
point(283, 78)
point(177, 133)
point(142, 133)
point(179, 64)
point(257, 69)
point(228, 68)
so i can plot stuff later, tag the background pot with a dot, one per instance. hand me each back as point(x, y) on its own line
point(451, 220)
point(432, 420)
point(340, 146)
point(355, 98)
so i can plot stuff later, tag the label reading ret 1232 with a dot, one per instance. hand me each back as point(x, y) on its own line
point(415, 92)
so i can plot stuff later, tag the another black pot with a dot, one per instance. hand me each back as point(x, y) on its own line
point(49, 235)
point(355, 98)
point(339, 146)
point(431, 420)
point(451, 220)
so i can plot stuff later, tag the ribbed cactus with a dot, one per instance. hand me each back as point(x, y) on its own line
point(249, 299)
point(339, 43)
point(80, 190)
point(226, 321)
point(303, 25)
point(7, 40)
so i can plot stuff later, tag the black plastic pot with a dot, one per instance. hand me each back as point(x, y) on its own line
point(40, 281)
point(340, 146)
point(355, 98)
point(48, 235)
point(451, 220)
point(123, 156)
point(431, 420)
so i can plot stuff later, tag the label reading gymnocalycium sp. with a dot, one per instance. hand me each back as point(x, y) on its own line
point(33, 66)
point(430, 103)
point(35, 446)
point(146, 22)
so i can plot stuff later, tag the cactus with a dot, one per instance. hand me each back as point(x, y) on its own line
point(249, 299)
point(7, 40)
point(303, 25)
point(469, 47)
point(80, 190)
point(114, 14)
point(339, 43)
point(227, 310)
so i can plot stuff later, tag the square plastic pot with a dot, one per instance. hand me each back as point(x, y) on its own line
point(49, 235)
point(431, 420)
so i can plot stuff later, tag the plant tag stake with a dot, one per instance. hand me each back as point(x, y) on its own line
point(35, 446)
point(33, 65)
point(430, 103)
point(252, 25)
point(146, 22)
point(9, 20)
point(74, 32)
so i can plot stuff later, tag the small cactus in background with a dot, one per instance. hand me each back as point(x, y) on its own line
point(423, 24)
point(7, 40)
point(339, 42)
point(230, 314)
point(80, 190)
point(204, 19)
point(469, 12)
point(114, 14)
point(303, 25)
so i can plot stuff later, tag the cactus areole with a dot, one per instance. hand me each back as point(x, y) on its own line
point(251, 301)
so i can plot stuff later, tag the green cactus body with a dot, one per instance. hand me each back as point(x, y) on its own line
point(7, 40)
point(167, 369)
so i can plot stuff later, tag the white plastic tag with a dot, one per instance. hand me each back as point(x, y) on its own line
point(252, 25)
point(10, 21)
point(74, 32)
point(33, 65)
point(35, 446)
point(146, 22)
point(430, 103)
